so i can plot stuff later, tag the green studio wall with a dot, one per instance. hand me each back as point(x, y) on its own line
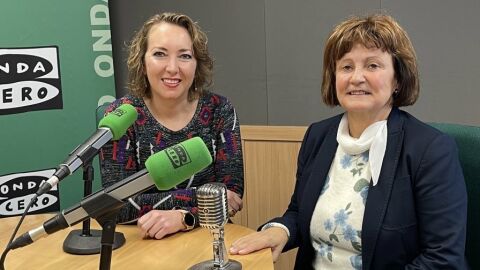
point(56, 67)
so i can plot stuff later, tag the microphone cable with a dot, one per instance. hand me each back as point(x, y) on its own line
point(7, 248)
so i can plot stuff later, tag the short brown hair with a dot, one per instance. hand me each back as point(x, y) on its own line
point(380, 31)
point(137, 78)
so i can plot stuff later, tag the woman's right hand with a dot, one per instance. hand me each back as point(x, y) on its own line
point(159, 223)
point(273, 237)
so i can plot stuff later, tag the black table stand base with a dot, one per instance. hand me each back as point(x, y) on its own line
point(81, 244)
point(86, 241)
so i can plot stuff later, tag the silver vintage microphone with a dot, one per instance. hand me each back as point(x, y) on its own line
point(213, 215)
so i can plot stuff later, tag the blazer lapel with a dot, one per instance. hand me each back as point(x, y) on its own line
point(379, 195)
point(316, 180)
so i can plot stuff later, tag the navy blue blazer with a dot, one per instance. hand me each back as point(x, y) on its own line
point(415, 217)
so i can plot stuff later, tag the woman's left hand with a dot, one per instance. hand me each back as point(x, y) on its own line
point(159, 223)
point(235, 203)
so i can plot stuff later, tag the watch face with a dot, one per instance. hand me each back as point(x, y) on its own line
point(189, 219)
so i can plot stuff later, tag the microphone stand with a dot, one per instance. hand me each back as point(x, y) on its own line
point(106, 216)
point(86, 241)
point(108, 223)
point(220, 256)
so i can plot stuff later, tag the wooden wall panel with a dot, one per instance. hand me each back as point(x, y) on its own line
point(270, 171)
point(270, 162)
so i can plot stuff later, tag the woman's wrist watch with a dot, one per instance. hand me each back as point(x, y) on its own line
point(188, 220)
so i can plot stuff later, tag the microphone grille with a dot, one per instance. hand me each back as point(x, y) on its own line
point(212, 205)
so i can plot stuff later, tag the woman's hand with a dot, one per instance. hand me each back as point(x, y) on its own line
point(235, 203)
point(158, 223)
point(274, 238)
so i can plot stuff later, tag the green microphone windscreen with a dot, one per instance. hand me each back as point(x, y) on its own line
point(119, 120)
point(177, 163)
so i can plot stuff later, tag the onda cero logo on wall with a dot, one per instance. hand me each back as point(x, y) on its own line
point(29, 80)
point(17, 190)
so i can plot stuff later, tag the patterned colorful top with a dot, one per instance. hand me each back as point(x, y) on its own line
point(336, 230)
point(215, 121)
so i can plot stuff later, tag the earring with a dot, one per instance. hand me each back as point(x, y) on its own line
point(195, 88)
point(395, 93)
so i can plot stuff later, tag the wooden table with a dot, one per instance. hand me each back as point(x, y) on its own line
point(179, 251)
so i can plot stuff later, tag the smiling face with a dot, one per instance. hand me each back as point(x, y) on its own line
point(169, 62)
point(365, 81)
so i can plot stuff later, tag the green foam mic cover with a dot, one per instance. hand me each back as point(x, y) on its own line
point(177, 163)
point(119, 120)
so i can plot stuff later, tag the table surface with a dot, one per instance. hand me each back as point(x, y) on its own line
point(178, 251)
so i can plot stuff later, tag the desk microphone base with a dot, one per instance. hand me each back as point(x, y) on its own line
point(208, 265)
point(81, 244)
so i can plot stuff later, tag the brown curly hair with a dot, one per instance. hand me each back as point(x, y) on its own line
point(374, 31)
point(137, 78)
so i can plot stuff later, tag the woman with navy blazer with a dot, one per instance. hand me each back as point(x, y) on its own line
point(376, 188)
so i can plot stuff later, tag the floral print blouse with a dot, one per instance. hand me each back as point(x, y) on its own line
point(336, 225)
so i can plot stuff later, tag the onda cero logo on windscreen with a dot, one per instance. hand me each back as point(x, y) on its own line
point(178, 155)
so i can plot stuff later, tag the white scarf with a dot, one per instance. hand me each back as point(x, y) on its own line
point(374, 137)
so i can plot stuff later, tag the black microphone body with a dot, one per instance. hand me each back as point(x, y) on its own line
point(112, 126)
point(81, 154)
point(87, 150)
